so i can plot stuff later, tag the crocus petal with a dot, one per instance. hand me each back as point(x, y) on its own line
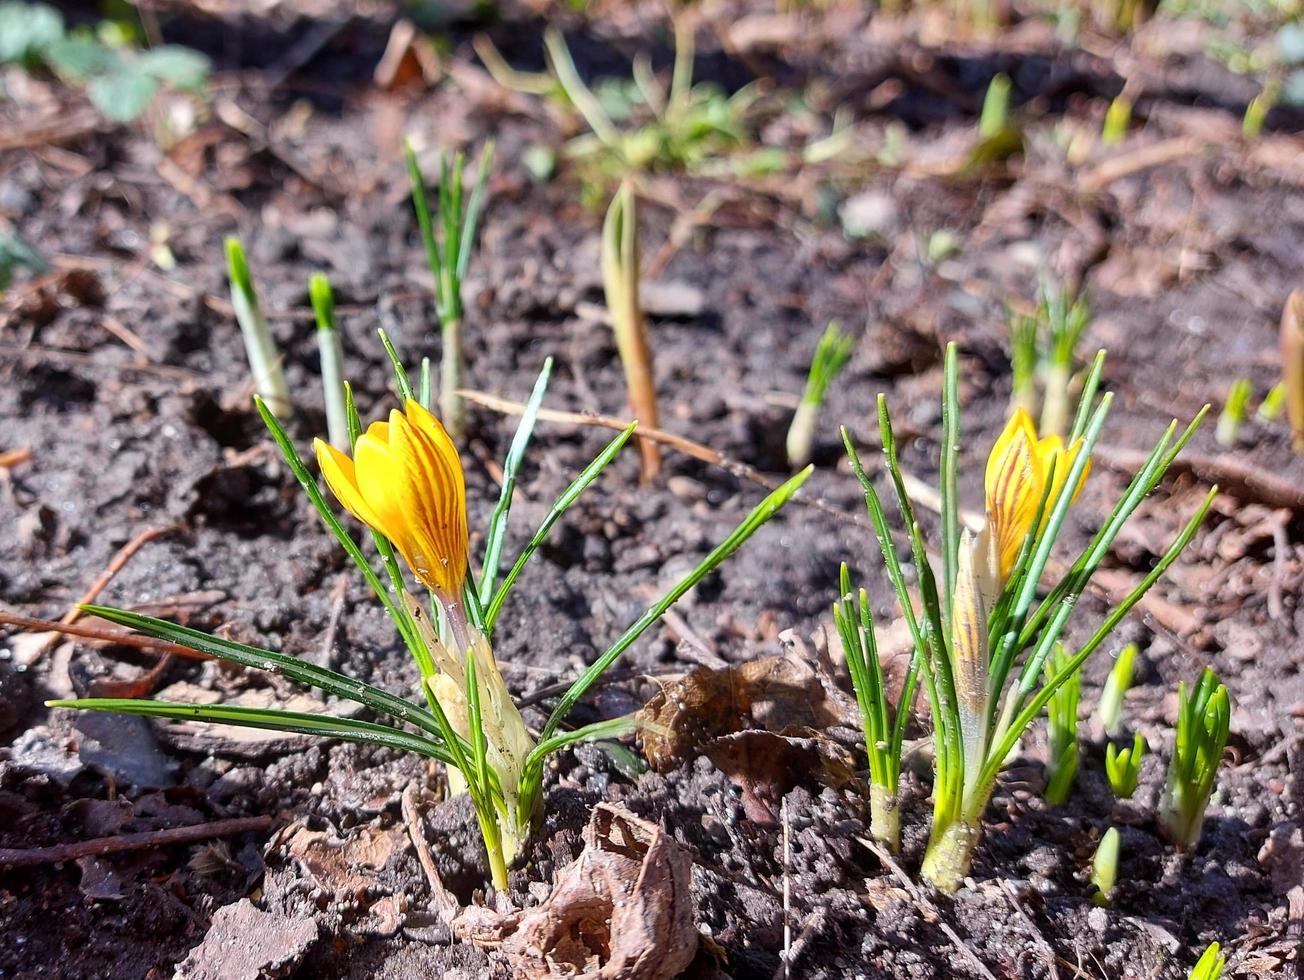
point(1014, 484)
point(432, 495)
point(341, 477)
point(380, 480)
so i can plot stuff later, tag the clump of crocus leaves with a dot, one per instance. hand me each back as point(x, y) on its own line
point(984, 626)
point(404, 481)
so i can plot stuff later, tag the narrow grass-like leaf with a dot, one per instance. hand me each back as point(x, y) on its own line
point(400, 373)
point(294, 722)
point(763, 511)
point(497, 532)
point(257, 658)
point(559, 507)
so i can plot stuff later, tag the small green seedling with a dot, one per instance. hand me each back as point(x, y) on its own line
point(831, 355)
point(1123, 766)
point(1104, 868)
point(1210, 965)
point(1043, 351)
point(449, 260)
point(999, 136)
point(1117, 120)
point(1256, 113)
point(264, 361)
point(620, 278)
point(1116, 687)
point(1273, 403)
point(1062, 724)
point(1203, 725)
point(1234, 412)
point(883, 722)
point(331, 349)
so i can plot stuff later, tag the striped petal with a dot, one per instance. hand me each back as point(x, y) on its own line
point(1014, 484)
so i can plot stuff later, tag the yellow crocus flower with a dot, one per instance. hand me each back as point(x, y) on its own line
point(1016, 479)
point(405, 482)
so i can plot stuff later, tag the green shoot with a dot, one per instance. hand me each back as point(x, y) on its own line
point(331, 348)
point(1104, 868)
point(1043, 350)
point(1210, 965)
point(831, 355)
point(1123, 766)
point(1066, 315)
point(996, 108)
point(1117, 120)
point(986, 626)
point(1256, 113)
point(1116, 687)
point(1234, 412)
point(468, 721)
point(620, 277)
point(1292, 365)
point(1203, 724)
point(264, 361)
point(883, 723)
point(448, 253)
point(1273, 403)
point(1062, 719)
point(1024, 357)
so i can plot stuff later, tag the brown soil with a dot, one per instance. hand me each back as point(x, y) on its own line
point(1188, 263)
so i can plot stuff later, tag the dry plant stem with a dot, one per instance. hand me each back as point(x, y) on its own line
point(19, 858)
point(1292, 365)
point(115, 565)
point(677, 442)
point(14, 457)
point(620, 271)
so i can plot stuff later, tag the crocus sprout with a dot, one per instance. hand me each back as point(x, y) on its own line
point(1104, 867)
point(1117, 119)
point(1210, 964)
point(984, 628)
point(884, 723)
point(1062, 724)
point(1204, 717)
point(404, 481)
point(448, 253)
point(831, 355)
point(1234, 412)
point(331, 349)
point(1123, 766)
point(264, 361)
point(1116, 687)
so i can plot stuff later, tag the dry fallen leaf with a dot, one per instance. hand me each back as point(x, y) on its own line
point(770, 693)
point(623, 910)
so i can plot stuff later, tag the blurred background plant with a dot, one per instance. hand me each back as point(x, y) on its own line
point(120, 79)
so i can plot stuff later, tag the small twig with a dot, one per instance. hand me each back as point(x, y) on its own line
point(444, 900)
point(1125, 165)
point(104, 636)
point(1280, 547)
point(14, 457)
point(333, 623)
point(116, 564)
point(56, 355)
point(686, 446)
point(11, 857)
point(1246, 482)
point(926, 905)
point(1047, 951)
